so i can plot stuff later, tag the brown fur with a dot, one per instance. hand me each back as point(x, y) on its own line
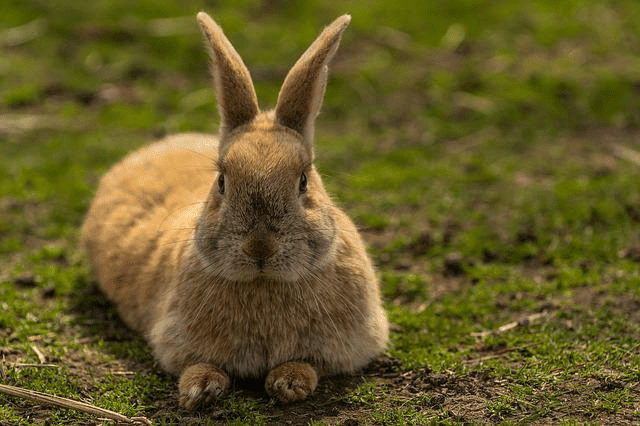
point(223, 259)
point(200, 384)
point(291, 381)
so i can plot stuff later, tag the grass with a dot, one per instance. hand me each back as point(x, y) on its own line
point(473, 142)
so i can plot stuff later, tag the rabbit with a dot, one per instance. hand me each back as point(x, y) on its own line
point(227, 254)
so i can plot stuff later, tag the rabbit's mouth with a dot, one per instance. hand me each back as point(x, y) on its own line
point(262, 275)
point(264, 270)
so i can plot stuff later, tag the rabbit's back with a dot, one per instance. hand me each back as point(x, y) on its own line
point(142, 218)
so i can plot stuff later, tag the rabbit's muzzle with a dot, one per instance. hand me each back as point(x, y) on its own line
point(260, 246)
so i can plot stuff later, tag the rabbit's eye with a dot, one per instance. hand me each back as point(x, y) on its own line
point(303, 183)
point(221, 183)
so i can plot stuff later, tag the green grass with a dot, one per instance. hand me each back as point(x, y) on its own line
point(474, 143)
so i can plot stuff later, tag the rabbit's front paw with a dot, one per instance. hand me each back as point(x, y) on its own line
point(291, 381)
point(201, 384)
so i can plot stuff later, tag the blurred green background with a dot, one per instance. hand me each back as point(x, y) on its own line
point(488, 150)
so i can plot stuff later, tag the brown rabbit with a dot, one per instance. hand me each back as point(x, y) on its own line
point(227, 254)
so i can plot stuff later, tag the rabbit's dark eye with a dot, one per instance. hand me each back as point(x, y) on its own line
point(221, 183)
point(303, 183)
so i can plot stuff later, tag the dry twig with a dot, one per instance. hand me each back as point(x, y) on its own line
point(18, 123)
point(27, 365)
point(39, 354)
point(16, 36)
point(627, 154)
point(71, 404)
point(2, 375)
point(123, 373)
point(510, 326)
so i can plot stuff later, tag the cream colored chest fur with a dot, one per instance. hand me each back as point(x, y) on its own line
point(252, 328)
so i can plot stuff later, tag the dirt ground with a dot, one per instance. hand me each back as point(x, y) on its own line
point(442, 395)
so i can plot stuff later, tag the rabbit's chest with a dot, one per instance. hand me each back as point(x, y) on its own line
point(254, 335)
point(265, 327)
point(254, 341)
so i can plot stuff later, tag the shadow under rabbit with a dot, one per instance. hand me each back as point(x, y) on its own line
point(99, 321)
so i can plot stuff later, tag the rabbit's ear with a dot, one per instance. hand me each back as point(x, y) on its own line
point(237, 101)
point(302, 92)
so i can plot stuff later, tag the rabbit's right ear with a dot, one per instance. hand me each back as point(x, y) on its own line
point(237, 101)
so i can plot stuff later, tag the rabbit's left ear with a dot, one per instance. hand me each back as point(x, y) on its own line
point(237, 101)
point(302, 92)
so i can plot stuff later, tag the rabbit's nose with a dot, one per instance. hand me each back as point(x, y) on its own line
point(260, 247)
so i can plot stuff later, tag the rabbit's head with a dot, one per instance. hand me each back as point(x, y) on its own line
point(268, 216)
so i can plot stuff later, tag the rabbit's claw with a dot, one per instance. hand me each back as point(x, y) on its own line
point(201, 384)
point(291, 381)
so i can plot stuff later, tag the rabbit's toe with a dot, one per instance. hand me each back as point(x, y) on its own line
point(201, 384)
point(291, 381)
